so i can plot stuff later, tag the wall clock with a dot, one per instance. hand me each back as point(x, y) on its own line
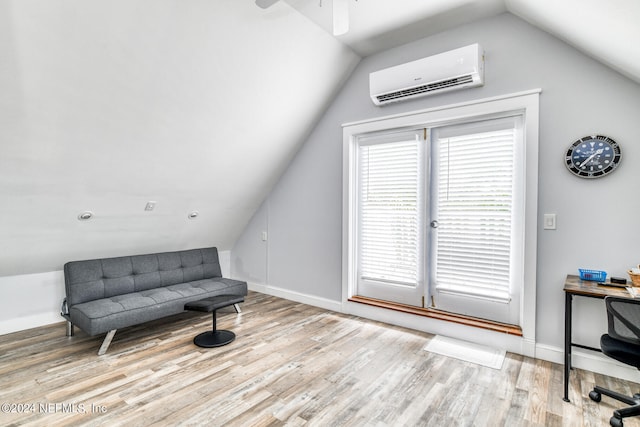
point(593, 156)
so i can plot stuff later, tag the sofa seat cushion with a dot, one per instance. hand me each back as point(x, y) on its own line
point(122, 303)
point(186, 290)
point(235, 287)
point(102, 315)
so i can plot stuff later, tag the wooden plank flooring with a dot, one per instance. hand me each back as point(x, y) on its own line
point(292, 365)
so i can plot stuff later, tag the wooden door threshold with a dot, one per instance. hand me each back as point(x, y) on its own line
point(441, 315)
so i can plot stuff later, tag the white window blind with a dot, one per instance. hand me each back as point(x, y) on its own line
point(389, 181)
point(475, 201)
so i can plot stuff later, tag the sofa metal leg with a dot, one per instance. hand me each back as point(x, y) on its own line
point(106, 342)
point(69, 328)
point(237, 307)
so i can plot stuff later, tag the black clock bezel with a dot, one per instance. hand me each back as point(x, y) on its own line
point(615, 162)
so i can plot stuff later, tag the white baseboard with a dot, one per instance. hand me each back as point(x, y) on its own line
point(589, 361)
point(30, 322)
point(315, 301)
point(30, 300)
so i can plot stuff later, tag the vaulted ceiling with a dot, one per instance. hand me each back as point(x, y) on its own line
point(197, 105)
point(605, 30)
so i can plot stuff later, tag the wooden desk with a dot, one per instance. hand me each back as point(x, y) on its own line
point(574, 286)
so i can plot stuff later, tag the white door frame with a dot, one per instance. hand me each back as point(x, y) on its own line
point(525, 102)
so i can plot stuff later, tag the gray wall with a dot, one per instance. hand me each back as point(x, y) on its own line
point(597, 219)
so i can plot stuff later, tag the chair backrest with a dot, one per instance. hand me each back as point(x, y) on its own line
point(624, 319)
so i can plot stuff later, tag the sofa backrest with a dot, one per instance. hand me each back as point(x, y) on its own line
point(102, 278)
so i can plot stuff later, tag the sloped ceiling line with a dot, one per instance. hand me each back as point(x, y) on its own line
point(605, 30)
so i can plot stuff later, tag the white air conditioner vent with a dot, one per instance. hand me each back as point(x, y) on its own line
point(456, 69)
point(388, 97)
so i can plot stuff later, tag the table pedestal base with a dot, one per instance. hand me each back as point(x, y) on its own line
point(214, 338)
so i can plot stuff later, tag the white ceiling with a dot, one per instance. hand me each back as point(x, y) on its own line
point(608, 30)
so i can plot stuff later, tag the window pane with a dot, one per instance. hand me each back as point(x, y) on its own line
point(475, 212)
point(388, 211)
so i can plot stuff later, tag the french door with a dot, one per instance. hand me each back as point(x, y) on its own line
point(477, 217)
point(391, 216)
point(439, 217)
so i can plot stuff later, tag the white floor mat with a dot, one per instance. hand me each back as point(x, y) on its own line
point(467, 351)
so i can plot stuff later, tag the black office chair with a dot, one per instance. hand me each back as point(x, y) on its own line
point(623, 344)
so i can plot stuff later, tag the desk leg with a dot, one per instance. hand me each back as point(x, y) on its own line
point(567, 343)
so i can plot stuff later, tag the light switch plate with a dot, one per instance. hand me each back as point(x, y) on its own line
point(549, 221)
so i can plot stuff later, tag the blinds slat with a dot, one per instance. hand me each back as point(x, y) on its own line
point(475, 197)
point(388, 212)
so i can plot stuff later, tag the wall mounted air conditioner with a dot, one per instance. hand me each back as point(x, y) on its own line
point(455, 69)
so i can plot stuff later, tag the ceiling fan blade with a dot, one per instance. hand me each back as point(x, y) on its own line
point(340, 17)
point(266, 3)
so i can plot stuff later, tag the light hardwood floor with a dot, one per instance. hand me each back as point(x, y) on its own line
point(291, 364)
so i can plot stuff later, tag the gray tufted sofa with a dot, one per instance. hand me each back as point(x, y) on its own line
point(103, 295)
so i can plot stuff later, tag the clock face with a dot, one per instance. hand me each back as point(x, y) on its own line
point(593, 156)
